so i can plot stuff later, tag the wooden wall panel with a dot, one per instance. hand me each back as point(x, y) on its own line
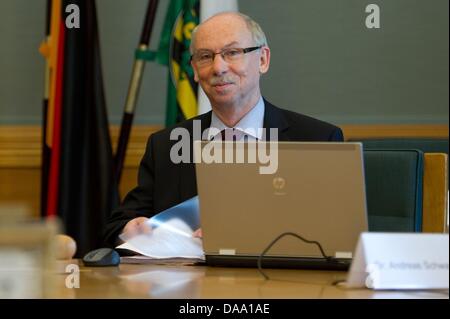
point(20, 145)
point(435, 191)
point(20, 189)
point(20, 149)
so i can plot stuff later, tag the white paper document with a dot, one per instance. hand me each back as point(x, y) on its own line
point(171, 236)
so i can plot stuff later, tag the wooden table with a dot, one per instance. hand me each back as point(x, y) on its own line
point(182, 281)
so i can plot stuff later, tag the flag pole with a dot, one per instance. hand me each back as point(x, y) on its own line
point(45, 156)
point(133, 90)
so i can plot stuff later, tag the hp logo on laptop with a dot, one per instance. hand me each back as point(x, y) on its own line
point(278, 184)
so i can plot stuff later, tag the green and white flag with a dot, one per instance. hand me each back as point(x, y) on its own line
point(181, 18)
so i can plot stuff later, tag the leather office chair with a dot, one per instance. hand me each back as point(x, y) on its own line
point(435, 179)
point(394, 182)
point(426, 145)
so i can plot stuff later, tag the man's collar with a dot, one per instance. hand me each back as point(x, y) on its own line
point(251, 124)
point(273, 118)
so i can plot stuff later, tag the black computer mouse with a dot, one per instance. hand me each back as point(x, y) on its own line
point(101, 257)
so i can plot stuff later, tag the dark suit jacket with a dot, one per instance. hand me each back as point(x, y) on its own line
point(163, 184)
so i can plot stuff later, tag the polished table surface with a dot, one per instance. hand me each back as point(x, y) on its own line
point(186, 281)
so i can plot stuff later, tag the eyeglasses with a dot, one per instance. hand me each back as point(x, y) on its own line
point(230, 55)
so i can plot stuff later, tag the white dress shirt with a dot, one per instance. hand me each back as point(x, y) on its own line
point(250, 127)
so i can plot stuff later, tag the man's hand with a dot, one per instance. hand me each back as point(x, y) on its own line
point(198, 233)
point(135, 227)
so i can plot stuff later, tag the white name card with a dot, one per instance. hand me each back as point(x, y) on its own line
point(400, 261)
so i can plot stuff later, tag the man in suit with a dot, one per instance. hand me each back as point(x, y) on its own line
point(229, 55)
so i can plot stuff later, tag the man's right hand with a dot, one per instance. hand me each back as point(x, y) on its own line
point(135, 227)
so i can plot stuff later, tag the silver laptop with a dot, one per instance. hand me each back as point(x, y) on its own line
point(317, 192)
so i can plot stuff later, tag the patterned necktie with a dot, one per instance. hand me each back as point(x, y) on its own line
point(227, 133)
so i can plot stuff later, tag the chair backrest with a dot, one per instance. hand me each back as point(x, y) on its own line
point(394, 182)
point(426, 145)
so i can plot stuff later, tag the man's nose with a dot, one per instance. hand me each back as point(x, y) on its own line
point(220, 66)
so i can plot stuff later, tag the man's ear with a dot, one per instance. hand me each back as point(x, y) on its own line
point(195, 72)
point(264, 61)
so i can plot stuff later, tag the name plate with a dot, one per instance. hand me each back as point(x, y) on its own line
point(400, 261)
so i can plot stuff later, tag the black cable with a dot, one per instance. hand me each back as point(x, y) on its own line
point(328, 258)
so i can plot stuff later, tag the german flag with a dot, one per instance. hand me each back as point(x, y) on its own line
point(53, 50)
point(77, 167)
point(181, 18)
